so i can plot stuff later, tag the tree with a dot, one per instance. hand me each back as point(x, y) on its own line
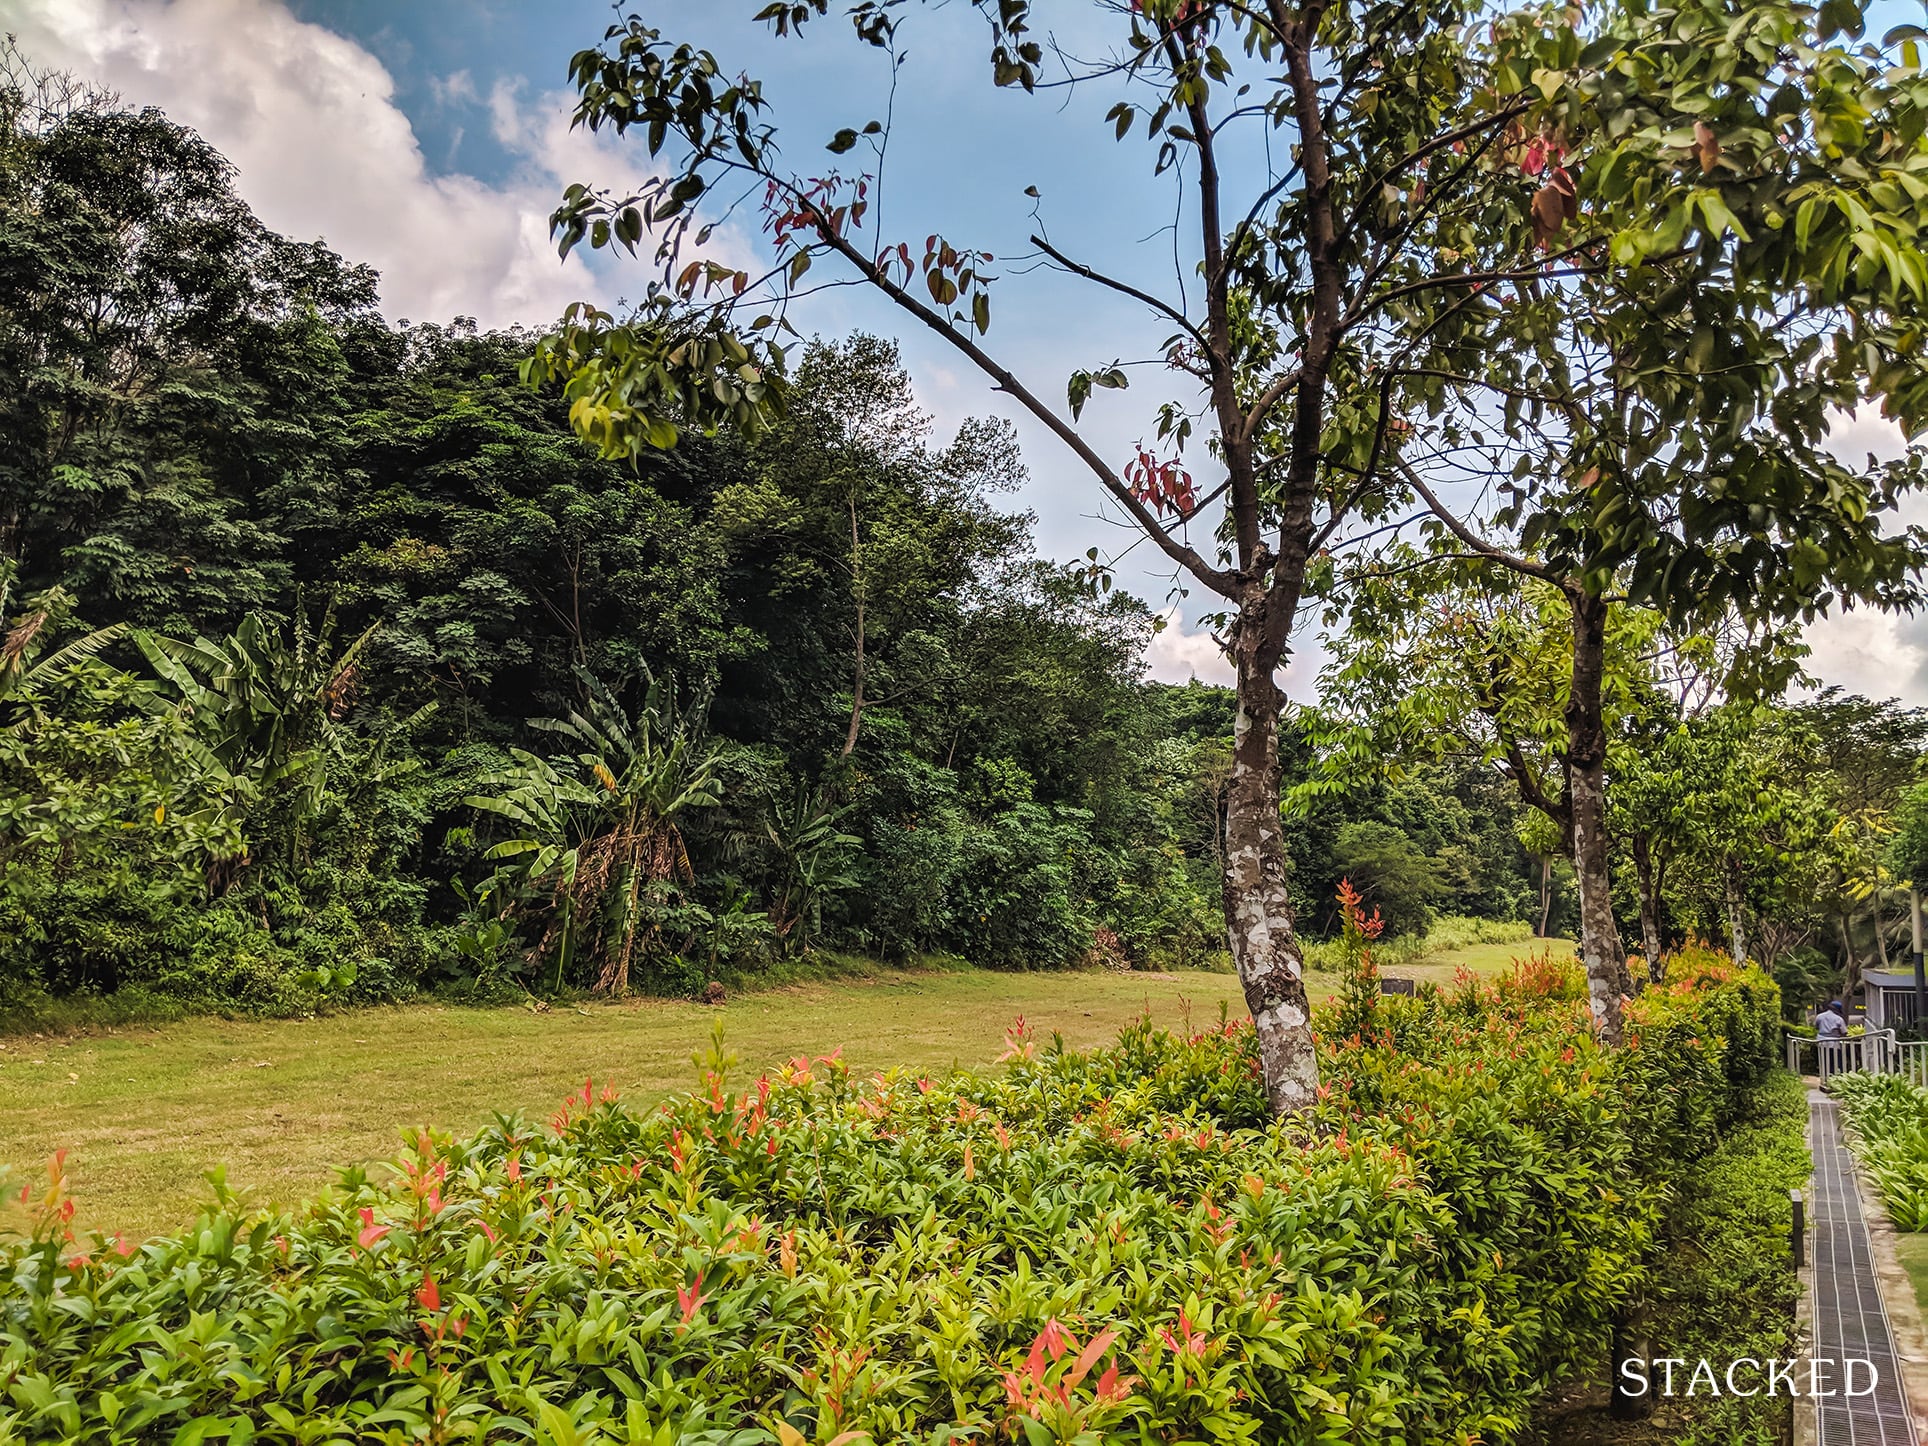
point(501, 556)
point(1444, 658)
point(1741, 266)
point(174, 366)
point(1659, 808)
point(1540, 836)
point(26, 676)
point(1439, 157)
point(1321, 268)
point(1390, 873)
point(816, 864)
point(855, 523)
point(262, 713)
point(1862, 756)
point(212, 424)
point(1749, 822)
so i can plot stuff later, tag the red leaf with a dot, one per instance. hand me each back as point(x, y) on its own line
point(370, 1231)
point(1092, 1354)
point(690, 1298)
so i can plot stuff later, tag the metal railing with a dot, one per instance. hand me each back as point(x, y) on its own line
point(1875, 1052)
point(1909, 1058)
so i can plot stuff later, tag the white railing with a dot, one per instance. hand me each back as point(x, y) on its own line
point(1875, 1052)
point(1910, 1060)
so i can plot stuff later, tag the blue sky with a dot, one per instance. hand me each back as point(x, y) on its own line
point(429, 137)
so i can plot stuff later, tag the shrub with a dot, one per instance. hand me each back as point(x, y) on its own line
point(1725, 1288)
point(1104, 1247)
point(1328, 956)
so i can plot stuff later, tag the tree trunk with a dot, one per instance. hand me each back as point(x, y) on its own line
point(1914, 955)
point(1880, 931)
point(1643, 868)
point(1736, 912)
point(1586, 771)
point(1852, 975)
point(1258, 909)
point(857, 592)
point(1627, 1341)
point(1546, 892)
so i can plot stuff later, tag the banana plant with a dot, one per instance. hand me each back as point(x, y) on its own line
point(262, 712)
point(816, 857)
point(25, 676)
point(595, 826)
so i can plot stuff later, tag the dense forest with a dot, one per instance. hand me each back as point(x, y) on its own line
point(335, 664)
point(336, 667)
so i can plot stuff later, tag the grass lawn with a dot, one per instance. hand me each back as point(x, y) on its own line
point(143, 1113)
point(1480, 958)
point(281, 1103)
point(1913, 1253)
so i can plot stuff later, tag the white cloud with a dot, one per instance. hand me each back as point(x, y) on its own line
point(455, 89)
point(1853, 437)
point(322, 150)
point(1176, 655)
point(1879, 655)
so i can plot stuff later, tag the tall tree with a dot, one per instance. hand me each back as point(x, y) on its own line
point(1735, 192)
point(856, 523)
point(1343, 287)
point(174, 365)
point(1445, 657)
point(1325, 270)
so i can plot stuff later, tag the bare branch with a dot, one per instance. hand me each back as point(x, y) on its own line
point(1216, 579)
point(1524, 566)
point(1163, 308)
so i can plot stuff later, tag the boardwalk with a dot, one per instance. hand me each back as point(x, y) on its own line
point(1849, 1318)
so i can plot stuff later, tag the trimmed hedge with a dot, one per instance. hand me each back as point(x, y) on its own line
point(1105, 1247)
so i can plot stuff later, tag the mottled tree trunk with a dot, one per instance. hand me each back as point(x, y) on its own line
point(1258, 908)
point(1736, 913)
point(1643, 868)
point(1546, 892)
point(1586, 772)
point(1852, 976)
point(857, 634)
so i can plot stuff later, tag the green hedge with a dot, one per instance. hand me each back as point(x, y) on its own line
point(1102, 1247)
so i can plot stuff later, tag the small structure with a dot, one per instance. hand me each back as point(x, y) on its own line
point(1889, 997)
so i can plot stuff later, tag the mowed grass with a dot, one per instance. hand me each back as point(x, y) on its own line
point(1481, 959)
point(283, 1104)
point(1913, 1253)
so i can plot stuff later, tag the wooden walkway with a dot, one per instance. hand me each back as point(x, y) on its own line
point(1849, 1317)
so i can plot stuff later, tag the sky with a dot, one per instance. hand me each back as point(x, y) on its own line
point(430, 138)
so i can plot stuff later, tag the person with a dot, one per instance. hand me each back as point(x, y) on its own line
point(1832, 1022)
